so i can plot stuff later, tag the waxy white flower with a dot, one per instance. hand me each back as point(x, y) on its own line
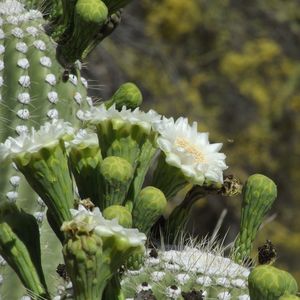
point(101, 113)
point(94, 221)
point(47, 135)
point(190, 150)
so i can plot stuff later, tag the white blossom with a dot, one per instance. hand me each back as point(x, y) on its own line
point(135, 117)
point(94, 221)
point(190, 150)
point(47, 135)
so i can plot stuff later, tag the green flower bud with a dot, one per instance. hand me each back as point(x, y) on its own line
point(259, 193)
point(116, 175)
point(148, 207)
point(121, 213)
point(128, 94)
point(269, 283)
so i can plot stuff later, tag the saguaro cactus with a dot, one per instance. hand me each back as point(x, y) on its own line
point(109, 158)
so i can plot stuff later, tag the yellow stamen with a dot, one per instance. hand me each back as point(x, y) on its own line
point(190, 148)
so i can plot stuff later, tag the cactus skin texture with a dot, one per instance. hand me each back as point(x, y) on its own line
point(269, 283)
point(259, 193)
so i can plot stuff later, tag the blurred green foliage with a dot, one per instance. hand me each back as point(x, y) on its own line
point(233, 66)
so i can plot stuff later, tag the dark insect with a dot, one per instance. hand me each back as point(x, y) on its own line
point(266, 253)
point(62, 271)
point(153, 253)
point(65, 75)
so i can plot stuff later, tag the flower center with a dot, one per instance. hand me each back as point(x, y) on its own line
point(191, 149)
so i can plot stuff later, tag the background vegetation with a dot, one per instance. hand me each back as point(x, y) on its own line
point(234, 67)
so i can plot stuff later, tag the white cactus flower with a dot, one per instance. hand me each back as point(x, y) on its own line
point(94, 221)
point(190, 150)
point(135, 117)
point(47, 135)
